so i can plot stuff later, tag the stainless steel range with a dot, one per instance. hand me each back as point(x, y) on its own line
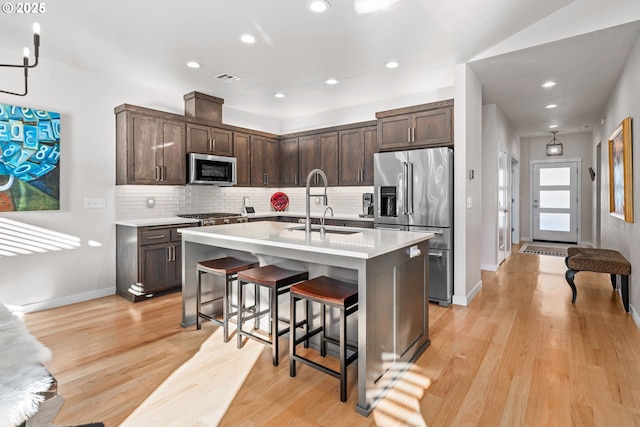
point(216, 218)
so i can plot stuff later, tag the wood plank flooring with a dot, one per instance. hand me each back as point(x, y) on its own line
point(520, 355)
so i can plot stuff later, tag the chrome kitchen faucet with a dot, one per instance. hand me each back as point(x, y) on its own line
point(307, 222)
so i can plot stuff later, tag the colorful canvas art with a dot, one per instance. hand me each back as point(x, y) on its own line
point(29, 159)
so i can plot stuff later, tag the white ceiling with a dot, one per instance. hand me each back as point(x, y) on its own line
point(149, 42)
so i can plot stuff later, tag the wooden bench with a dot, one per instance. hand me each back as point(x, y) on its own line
point(599, 261)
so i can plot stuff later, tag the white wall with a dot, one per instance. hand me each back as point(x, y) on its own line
point(575, 145)
point(85, 101)
point(497, 133)
point(617, 234)
point(467, 155)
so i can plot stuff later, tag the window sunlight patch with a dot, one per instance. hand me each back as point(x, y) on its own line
point(18, 238)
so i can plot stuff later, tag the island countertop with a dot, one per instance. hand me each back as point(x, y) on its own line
point(361, 243)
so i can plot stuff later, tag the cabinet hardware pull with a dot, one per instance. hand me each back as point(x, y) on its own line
point(157, 171)
point(295, 178)
point(168, 253)
point(413, 134)
point(161, 236)
point(213, 144)
point(173, 249)
point(163, 173)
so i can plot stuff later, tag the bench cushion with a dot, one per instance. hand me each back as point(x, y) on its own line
point(597, 260)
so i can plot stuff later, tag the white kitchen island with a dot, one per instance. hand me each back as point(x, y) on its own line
point(390, 267)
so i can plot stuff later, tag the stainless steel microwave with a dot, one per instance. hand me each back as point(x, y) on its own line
point(212, 170)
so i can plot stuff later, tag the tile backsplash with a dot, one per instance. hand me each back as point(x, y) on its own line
point(131, 200)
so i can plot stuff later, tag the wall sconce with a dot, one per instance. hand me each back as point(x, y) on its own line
point(25, 61)
point(554, 147)
point(592, 173)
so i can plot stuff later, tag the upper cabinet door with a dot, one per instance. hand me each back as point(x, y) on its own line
point(328, 143)
point(174, 155)
point(209, 140)
point(198, 139)
point(309, 152)
point(351, 157)
point(289, 173)
point(221, 142)
point(394, 132)
point(241, 150)
point(433, 127)
point(144, 151)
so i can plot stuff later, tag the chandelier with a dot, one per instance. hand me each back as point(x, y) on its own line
point(554, 147)
point(25, 61)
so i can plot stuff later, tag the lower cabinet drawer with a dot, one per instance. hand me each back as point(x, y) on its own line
point(153, 237)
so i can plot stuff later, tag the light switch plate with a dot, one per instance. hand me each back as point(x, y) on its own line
point(94, 203)
point(469, 202)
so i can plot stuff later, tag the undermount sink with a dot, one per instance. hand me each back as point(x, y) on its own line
point(327, 229)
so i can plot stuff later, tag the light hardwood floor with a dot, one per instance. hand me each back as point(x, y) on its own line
point(520, 355)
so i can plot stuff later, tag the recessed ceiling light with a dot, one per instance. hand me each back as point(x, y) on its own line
point(247, 38)
point(392, 64)
point(279, 95)
point(318, 6)
point(550, 106)
point(548, 84)
point(331, 81)
point(553, 126)
point(193, 64)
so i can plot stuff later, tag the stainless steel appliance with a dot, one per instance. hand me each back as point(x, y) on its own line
point(216, 218)
point(367, 205)
point(413, 190)
point(212, 170)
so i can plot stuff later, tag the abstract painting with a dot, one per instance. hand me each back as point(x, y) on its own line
point(29, 159)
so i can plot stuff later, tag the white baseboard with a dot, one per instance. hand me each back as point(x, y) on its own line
point(466, 300)
point(59, 302)
point(489, 267)
point(634, 315)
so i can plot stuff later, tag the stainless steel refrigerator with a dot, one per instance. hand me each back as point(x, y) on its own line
point(413, 191)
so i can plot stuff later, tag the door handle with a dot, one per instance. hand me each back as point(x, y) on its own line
point(405, 172)
point(435, 254)
point(411, 181)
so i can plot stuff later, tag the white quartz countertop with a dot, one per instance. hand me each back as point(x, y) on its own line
point(364, 243)
point(148, 222)
point(343, 216)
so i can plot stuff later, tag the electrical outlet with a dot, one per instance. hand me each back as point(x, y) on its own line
point(94, 203)
point(246, 201)
point(151, 202)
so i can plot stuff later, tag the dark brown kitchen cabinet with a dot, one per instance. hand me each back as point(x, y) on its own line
point(428, 125)
point(289, 167)
point(209, 140)
point(148, 261)
point(356, 149)
point(150, 149)
point(319, 151)
point(265, 155)
point(243, 160)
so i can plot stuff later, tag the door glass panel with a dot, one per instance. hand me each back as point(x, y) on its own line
point(555, 199)
point(555, 176)
point(555, 221)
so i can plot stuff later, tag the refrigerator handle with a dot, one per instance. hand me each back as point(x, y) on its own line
point(410, 182)
point(405, 173)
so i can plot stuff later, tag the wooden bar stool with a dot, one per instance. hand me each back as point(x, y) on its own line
point(278, 281)
point(329, 293)
point(227, 267)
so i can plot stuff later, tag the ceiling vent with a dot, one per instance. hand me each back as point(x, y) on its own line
point(226, 77)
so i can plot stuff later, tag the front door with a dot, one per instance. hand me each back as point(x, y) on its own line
point(555, 201)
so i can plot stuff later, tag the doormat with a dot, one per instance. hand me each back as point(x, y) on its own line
point(543, 248)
